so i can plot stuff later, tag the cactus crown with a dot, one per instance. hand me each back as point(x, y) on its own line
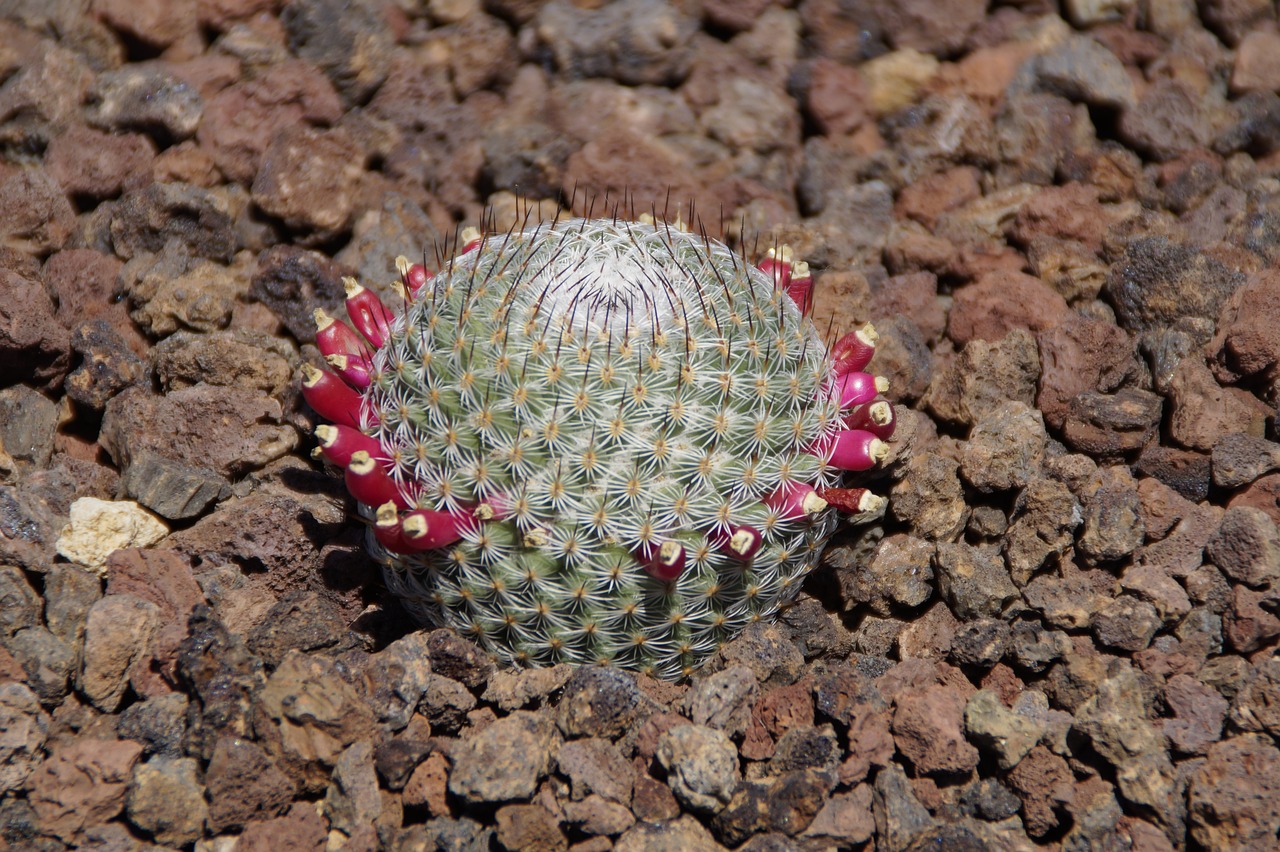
point(596, 441)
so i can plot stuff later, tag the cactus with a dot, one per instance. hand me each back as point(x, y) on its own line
point(595, 441)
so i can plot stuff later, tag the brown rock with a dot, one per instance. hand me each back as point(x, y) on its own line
point(1078, 355)
point(82, 784)
point(845, 820)
point(900, 574)
point(155, 23)
point(293, 282)
point(930, 26)
point(1247, 547)
point(1111, 425)
point(928, 728)
point(1257, 63)
point(1199, 712)
point(617, 42)
point(785, 707)
point(1169, 119)
point(1202, 411)
point(35, 215)
point(1005, 448)
point(244, 784)
point(1234, 797)
point(241, 120)
point(240, 357)
point(429, 785)
point(999, 302)
point(1158, 281)
point(301, 830)
point(96, 165)
point(1071, 212)
point(653, 801)
point(1187, 472)
point(650, 169)
point(931, 498)
point(914, 296)
point(530, 827)
point(598, 817)
point(928, 198)
point(837, 97)
point(735, 15)
point(118, 633)
point(306, 716)
point(1247, 344)
point(82, 283)
point(1068, 267)
point(1239, 459)
point(984, 375)
point(1248, 624)
point(25, 727)
point(1043, 781)
point(506, 760)
point(595, 765)
point(308, 179)
point(178, 426)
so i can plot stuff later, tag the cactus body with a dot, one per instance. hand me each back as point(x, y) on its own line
point(608, 443)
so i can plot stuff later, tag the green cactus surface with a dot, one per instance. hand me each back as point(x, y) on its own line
point(596, 389)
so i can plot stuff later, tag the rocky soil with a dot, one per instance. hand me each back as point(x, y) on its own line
point(1063, 218)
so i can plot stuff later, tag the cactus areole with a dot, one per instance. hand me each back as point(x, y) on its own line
point(595, 441)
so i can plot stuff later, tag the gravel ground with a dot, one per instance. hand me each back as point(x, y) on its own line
point(1061, 217)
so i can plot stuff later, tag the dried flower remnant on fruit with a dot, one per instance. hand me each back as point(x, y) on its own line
point(596, 441)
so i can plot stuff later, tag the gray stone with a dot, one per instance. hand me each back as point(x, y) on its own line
point(1034, 648)
point(1126, 623)
point(19, 603)
point(973, 580)
point(724, 700)
point(1081, 69)
point(146, 99)
point(899, 815)
point(352, 801)
point(702, 766)
point(685, 834)
point(23, 728)
point(460, 659)
point(595, 766)
point(620, 40)
point(397, 677)
point(1005, 448)
point(599, 702)
point(170, 488)
point(999, 730)
point(981, 643)
point(445, 702)
point(69, 593)
point(27, 423)
point(1116, 719)
point(806, 747)
point(47, 660)
point(900, 574)
point(158, 722)
point(1045, 516)
point(1239, 459)
point(1113, 527)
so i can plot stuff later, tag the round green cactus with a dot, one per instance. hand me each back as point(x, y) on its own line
point(596, 441)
